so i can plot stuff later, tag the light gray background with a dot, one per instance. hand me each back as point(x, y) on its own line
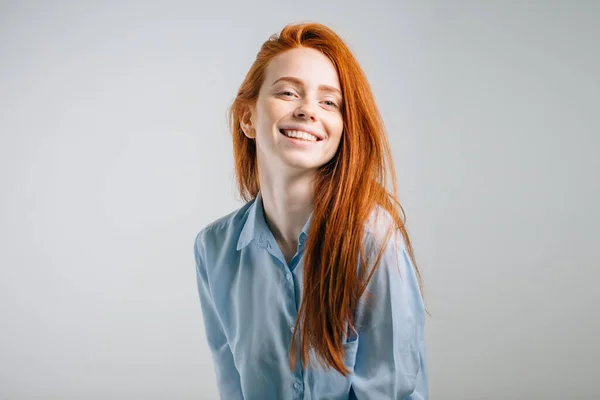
point(114, 153)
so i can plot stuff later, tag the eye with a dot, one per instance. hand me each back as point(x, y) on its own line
point(331, 103)
point(287, 93)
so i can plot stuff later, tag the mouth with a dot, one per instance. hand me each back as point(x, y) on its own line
point(300, 139)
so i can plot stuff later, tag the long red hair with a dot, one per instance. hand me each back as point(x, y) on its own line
point(350, 186)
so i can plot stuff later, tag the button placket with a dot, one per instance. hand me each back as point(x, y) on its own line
point(261, 240)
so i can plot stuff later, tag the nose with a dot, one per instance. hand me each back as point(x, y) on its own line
point(304, 111)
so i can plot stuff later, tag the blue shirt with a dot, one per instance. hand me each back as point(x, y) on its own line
point(250, 296)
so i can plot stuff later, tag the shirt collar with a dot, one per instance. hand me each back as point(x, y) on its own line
point(255, 227)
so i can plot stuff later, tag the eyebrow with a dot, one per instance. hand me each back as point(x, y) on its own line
point(299, 82)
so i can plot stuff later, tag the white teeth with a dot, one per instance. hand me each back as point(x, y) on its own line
point(300, 135)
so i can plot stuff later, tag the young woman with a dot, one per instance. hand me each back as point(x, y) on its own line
point(310, 290)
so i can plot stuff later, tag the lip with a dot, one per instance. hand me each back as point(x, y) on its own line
point(294, 127)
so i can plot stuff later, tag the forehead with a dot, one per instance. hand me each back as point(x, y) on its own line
point(307, 64)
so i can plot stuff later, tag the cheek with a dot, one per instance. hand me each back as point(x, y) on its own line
point(271, 112)
point(338, 127)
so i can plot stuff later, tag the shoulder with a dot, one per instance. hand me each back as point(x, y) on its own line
point(384, 241)
point(223, 231)
point(376, 230)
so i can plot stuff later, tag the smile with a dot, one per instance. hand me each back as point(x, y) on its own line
point(300, 135)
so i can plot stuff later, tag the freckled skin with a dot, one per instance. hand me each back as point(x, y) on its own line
point(305, 103)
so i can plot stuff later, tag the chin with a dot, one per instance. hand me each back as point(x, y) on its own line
point(302, 164)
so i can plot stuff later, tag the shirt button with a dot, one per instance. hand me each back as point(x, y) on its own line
point(296, 385)
point(292, 328)
point(288, 276)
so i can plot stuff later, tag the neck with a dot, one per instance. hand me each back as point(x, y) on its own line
point(287, 206)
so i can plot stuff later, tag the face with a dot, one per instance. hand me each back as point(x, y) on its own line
point(300, 96)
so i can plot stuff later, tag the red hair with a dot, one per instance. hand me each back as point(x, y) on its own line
point(350, 186)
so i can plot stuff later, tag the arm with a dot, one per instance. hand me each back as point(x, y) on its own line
point(228, 378)
point(390, 360)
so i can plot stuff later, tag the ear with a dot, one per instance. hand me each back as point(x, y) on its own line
point(246, 123)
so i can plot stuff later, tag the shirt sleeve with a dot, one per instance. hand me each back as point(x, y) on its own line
point(390, 361)
point(228, 378)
